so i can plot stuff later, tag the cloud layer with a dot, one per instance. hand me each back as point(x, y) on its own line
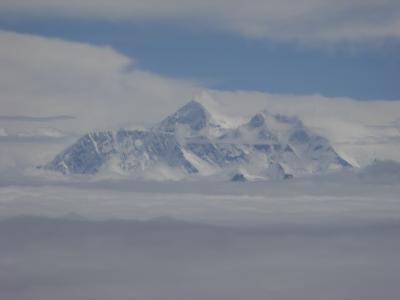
point(43, 259)
point(306, 20)
point(218, 240)
point(43, 77)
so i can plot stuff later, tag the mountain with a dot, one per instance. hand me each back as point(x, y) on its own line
point(279, 146)
point(193, 115)
point(128, 150)
point(193, 142)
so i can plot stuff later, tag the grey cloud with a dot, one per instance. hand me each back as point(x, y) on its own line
point(350, 195)
point(384, 140)
point(381, 171)
point(393, 124)
point(45, 259)
point(36, 119)
point(334, 237)
point(305, 20)
point(35, 139)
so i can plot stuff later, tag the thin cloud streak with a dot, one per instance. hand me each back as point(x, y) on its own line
point(36, 119)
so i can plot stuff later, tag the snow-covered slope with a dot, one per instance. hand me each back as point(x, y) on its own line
point(279, 146)
point(193, 119)
point(194, 142)
point(123, 151)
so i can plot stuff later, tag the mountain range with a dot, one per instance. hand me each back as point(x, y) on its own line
point(194, 143)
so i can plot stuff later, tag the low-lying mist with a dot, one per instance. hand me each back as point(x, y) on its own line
point(331, 238)
point(46, 259)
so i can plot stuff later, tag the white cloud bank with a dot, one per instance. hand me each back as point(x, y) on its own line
point(306, 20)
point(98, 87)
point(41, 77)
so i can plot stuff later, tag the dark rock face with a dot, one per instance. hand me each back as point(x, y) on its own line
point(238, 178)
point(300, 136)
point(217, 153)
point(86, 156)
point(193, 114)
point(132, 148)
point(257, 121)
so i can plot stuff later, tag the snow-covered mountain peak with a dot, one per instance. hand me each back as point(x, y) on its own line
point(194, 141)
point(270, 125)
point(193, 114)
point(257, 121)
point(193, 119)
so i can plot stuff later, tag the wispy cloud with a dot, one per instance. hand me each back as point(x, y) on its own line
point(35, 119)
point(306, 20)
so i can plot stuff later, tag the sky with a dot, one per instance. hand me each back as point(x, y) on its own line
point(69, 67)
point(354, 54)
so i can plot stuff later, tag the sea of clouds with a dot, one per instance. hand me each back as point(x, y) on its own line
point(336, 237)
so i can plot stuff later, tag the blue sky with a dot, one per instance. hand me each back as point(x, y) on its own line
point(362, 70)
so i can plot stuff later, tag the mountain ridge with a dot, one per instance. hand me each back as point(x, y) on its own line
point(192, 142)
